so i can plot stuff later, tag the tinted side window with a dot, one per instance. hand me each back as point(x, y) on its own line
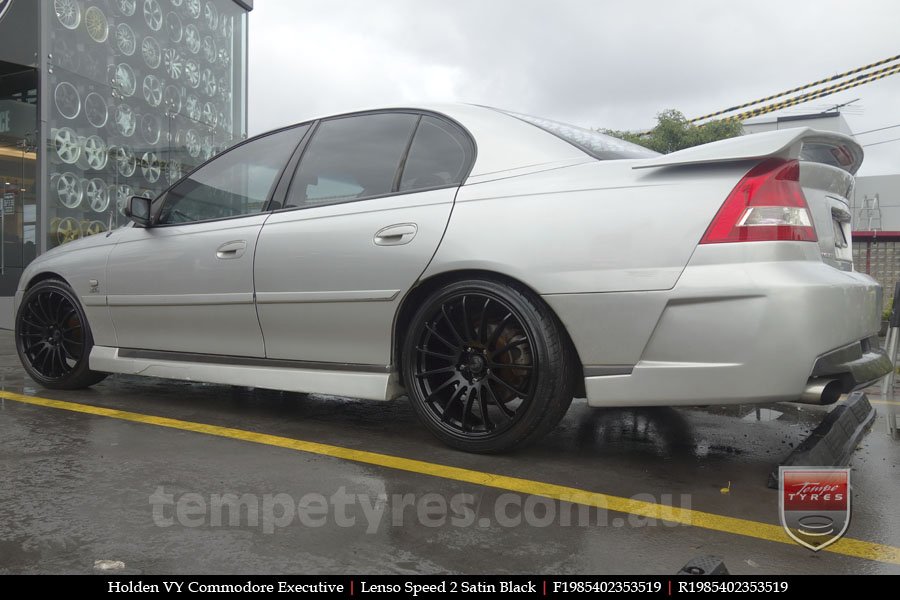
point(352, 158)
point(439, 156)
point(235, 183)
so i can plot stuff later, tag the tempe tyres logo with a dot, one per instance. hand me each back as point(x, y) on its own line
point(814, 504)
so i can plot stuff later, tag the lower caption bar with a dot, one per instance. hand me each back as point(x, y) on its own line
point(430, 586)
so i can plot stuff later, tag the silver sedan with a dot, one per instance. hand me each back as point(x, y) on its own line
point(489, 265)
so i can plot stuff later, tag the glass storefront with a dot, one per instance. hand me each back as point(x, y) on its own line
point(138, 93)
point(18, 123)
point(19, 140)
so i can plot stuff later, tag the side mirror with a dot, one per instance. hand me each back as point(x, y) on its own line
point(138, 210)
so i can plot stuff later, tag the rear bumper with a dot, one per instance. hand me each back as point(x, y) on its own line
point(856, 365)
point(731, 332)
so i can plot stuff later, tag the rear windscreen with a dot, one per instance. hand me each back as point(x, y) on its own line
point(599, 145)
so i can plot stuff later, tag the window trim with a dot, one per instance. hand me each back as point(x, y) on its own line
point(159, 202)
point(398, 174)
point(420, 113)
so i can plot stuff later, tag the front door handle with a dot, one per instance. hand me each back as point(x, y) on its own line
point(396, 235)
point(233, 249)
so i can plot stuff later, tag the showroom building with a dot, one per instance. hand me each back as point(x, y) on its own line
point(104, 99)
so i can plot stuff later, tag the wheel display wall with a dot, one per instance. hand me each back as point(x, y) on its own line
point(141, 92)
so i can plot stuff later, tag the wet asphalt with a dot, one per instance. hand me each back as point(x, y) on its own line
point(78, 488)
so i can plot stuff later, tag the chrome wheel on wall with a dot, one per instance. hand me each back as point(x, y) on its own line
point(487, 366)
point(67, 100)
point(151, 52)
point(153, 15)
point(150, 167)
point(192, 107)
point(174, 27)
point(193, 8)
point(97, 194)
point(66, 230)
point(151, 128)
point(173, 63)
point(152, 89)
point(95, 153)
point(68, 12)
point(53, 338)
point(172, 100)
point(173, 170)
point(125, 120)
point(210, 51)
point(126, 41)
point(209, 83)
point(123, 80)
point(126, 7)
point(67, 145)
point(123, 193)
point(126, 162)
point(95, 110)
point(69, 190)
point(211, 16)
point(192, 143)
point(92, 228)
point(192, 39)
point(96, 24)
point(210, 115)
point(192, 73)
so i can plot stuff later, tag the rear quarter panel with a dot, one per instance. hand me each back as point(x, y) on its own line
point(590, 228)
point(599, 241)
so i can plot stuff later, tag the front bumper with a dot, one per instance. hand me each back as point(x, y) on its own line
point(731, 331)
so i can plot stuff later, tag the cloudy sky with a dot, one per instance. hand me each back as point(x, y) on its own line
point(595, 63)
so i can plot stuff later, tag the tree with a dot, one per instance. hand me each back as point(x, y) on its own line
point(673, 132)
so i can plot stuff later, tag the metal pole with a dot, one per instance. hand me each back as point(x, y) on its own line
point(891, 344)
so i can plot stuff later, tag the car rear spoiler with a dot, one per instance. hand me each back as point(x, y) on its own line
point(835, 149)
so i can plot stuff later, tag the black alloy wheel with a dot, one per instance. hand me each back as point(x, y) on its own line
point(487, 366)
point(53, 338)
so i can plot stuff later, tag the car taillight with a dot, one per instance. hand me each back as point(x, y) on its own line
point(767, 205)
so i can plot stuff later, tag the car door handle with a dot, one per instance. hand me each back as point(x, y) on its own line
point(233, 249)
point(396, 235)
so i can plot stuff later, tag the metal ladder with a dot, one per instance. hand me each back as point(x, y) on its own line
point(870, 214)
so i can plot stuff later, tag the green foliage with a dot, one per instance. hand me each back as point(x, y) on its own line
point(673, 132)
point(888, 308)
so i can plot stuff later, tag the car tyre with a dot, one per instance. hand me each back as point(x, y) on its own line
point(488, 367)
point(53, 337)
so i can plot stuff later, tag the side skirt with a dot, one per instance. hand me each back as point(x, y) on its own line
point(355, 381)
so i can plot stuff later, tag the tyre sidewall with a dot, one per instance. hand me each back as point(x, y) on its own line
point(549, 373)
point(81, 372)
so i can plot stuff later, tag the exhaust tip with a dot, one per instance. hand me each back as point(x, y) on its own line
point(822, 392)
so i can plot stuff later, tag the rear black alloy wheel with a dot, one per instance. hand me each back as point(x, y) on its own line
point(486, 366)
point(53, 338)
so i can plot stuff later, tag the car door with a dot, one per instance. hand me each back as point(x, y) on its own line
point(186, 283)
point(365, 212)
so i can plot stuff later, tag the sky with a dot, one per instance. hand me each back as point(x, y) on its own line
point(594, 63)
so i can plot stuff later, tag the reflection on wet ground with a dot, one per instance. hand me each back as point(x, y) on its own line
point(76, 487)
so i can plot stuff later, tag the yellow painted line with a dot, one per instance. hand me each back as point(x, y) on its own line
point(695, 518)
point(885, 402)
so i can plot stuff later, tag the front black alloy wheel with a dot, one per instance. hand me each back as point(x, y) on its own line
point(487, 366)
point(53, 338)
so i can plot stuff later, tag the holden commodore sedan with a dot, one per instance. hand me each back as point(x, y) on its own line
point(489, 265)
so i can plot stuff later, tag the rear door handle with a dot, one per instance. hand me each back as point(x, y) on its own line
point(233, 249)
point(396, 235)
